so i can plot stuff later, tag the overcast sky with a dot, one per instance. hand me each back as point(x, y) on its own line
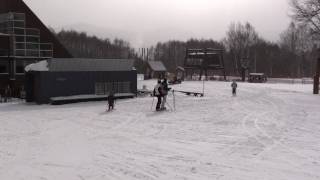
point(144, 22)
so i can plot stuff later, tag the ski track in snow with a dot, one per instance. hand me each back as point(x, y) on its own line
point(268, 131)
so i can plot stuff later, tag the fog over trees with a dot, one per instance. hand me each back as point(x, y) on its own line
point(292, 56)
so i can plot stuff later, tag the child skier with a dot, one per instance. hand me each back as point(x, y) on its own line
point(111, 101)
point(234, 86)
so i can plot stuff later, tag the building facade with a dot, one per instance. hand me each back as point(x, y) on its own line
point(26, 40)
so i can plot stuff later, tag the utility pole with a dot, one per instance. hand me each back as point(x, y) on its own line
point(316, 78)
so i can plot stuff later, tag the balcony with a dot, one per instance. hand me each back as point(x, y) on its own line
point(34, 50)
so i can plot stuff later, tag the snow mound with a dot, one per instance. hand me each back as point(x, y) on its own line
point(39, 66)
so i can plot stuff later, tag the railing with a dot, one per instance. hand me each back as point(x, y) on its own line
point(11, 16)
point(19, 31)
point(35, 50)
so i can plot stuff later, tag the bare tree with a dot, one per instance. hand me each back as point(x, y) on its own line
point(308, 13)
point(296, 43)
point(240, 42)
point(296, 39)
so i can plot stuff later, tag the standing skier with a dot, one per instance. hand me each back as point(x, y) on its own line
point(158, 93)
point(234, 86)
point(165, 91)
point(111, 101)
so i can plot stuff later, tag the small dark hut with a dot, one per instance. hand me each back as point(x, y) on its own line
point(155, 69)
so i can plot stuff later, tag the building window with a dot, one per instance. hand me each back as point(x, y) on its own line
point(99, 89)
point(124, 87)
point(115, 87)
point(108, 87)
point(4, 69)
point(32, 39)
point(20, 67)
point(19, 31)
point(20, 39)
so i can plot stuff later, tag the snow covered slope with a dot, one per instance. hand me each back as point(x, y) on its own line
point(269, 132)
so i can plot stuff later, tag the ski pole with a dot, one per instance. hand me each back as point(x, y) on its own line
point(152, 103)
point(169, 106)
point(174, 101)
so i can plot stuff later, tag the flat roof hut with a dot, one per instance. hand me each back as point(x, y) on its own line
point(70, 77)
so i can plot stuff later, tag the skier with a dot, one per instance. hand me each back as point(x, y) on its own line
point(165, 91)
point(158, 93)
point(234, 86)
point(111, 101)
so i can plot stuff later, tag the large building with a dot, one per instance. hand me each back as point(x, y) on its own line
point(24, 39)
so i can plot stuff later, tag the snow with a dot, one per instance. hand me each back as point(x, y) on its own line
point(269, 131)
point(39, 66)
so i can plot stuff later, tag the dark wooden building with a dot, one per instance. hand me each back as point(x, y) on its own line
point(24, 40)
point(62, 78)
point(204, 60)
point(155, 69)
point(257, 78)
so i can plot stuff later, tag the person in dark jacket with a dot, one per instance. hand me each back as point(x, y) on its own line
point(158, 92)
point(111, 100)
point(234, 86)
point(165, 91)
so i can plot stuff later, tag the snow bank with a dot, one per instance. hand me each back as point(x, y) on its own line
point(39, 66)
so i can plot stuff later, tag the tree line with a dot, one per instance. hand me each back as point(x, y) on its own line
point(81, 45)
point(292, 56)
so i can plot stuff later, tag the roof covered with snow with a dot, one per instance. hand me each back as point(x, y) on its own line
point(256, 74)
point(39, 66)
point(1, 34)
point(76, 64)
point(157, 66)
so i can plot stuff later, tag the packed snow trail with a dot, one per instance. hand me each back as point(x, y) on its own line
point(269, 131)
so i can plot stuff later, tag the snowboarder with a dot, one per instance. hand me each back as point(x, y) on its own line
point(111, 101)
point(165, 91)
point(157, 91)
point(234, 86)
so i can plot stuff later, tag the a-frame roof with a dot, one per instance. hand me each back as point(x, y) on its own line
point(32, 21)
point(157, 66)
